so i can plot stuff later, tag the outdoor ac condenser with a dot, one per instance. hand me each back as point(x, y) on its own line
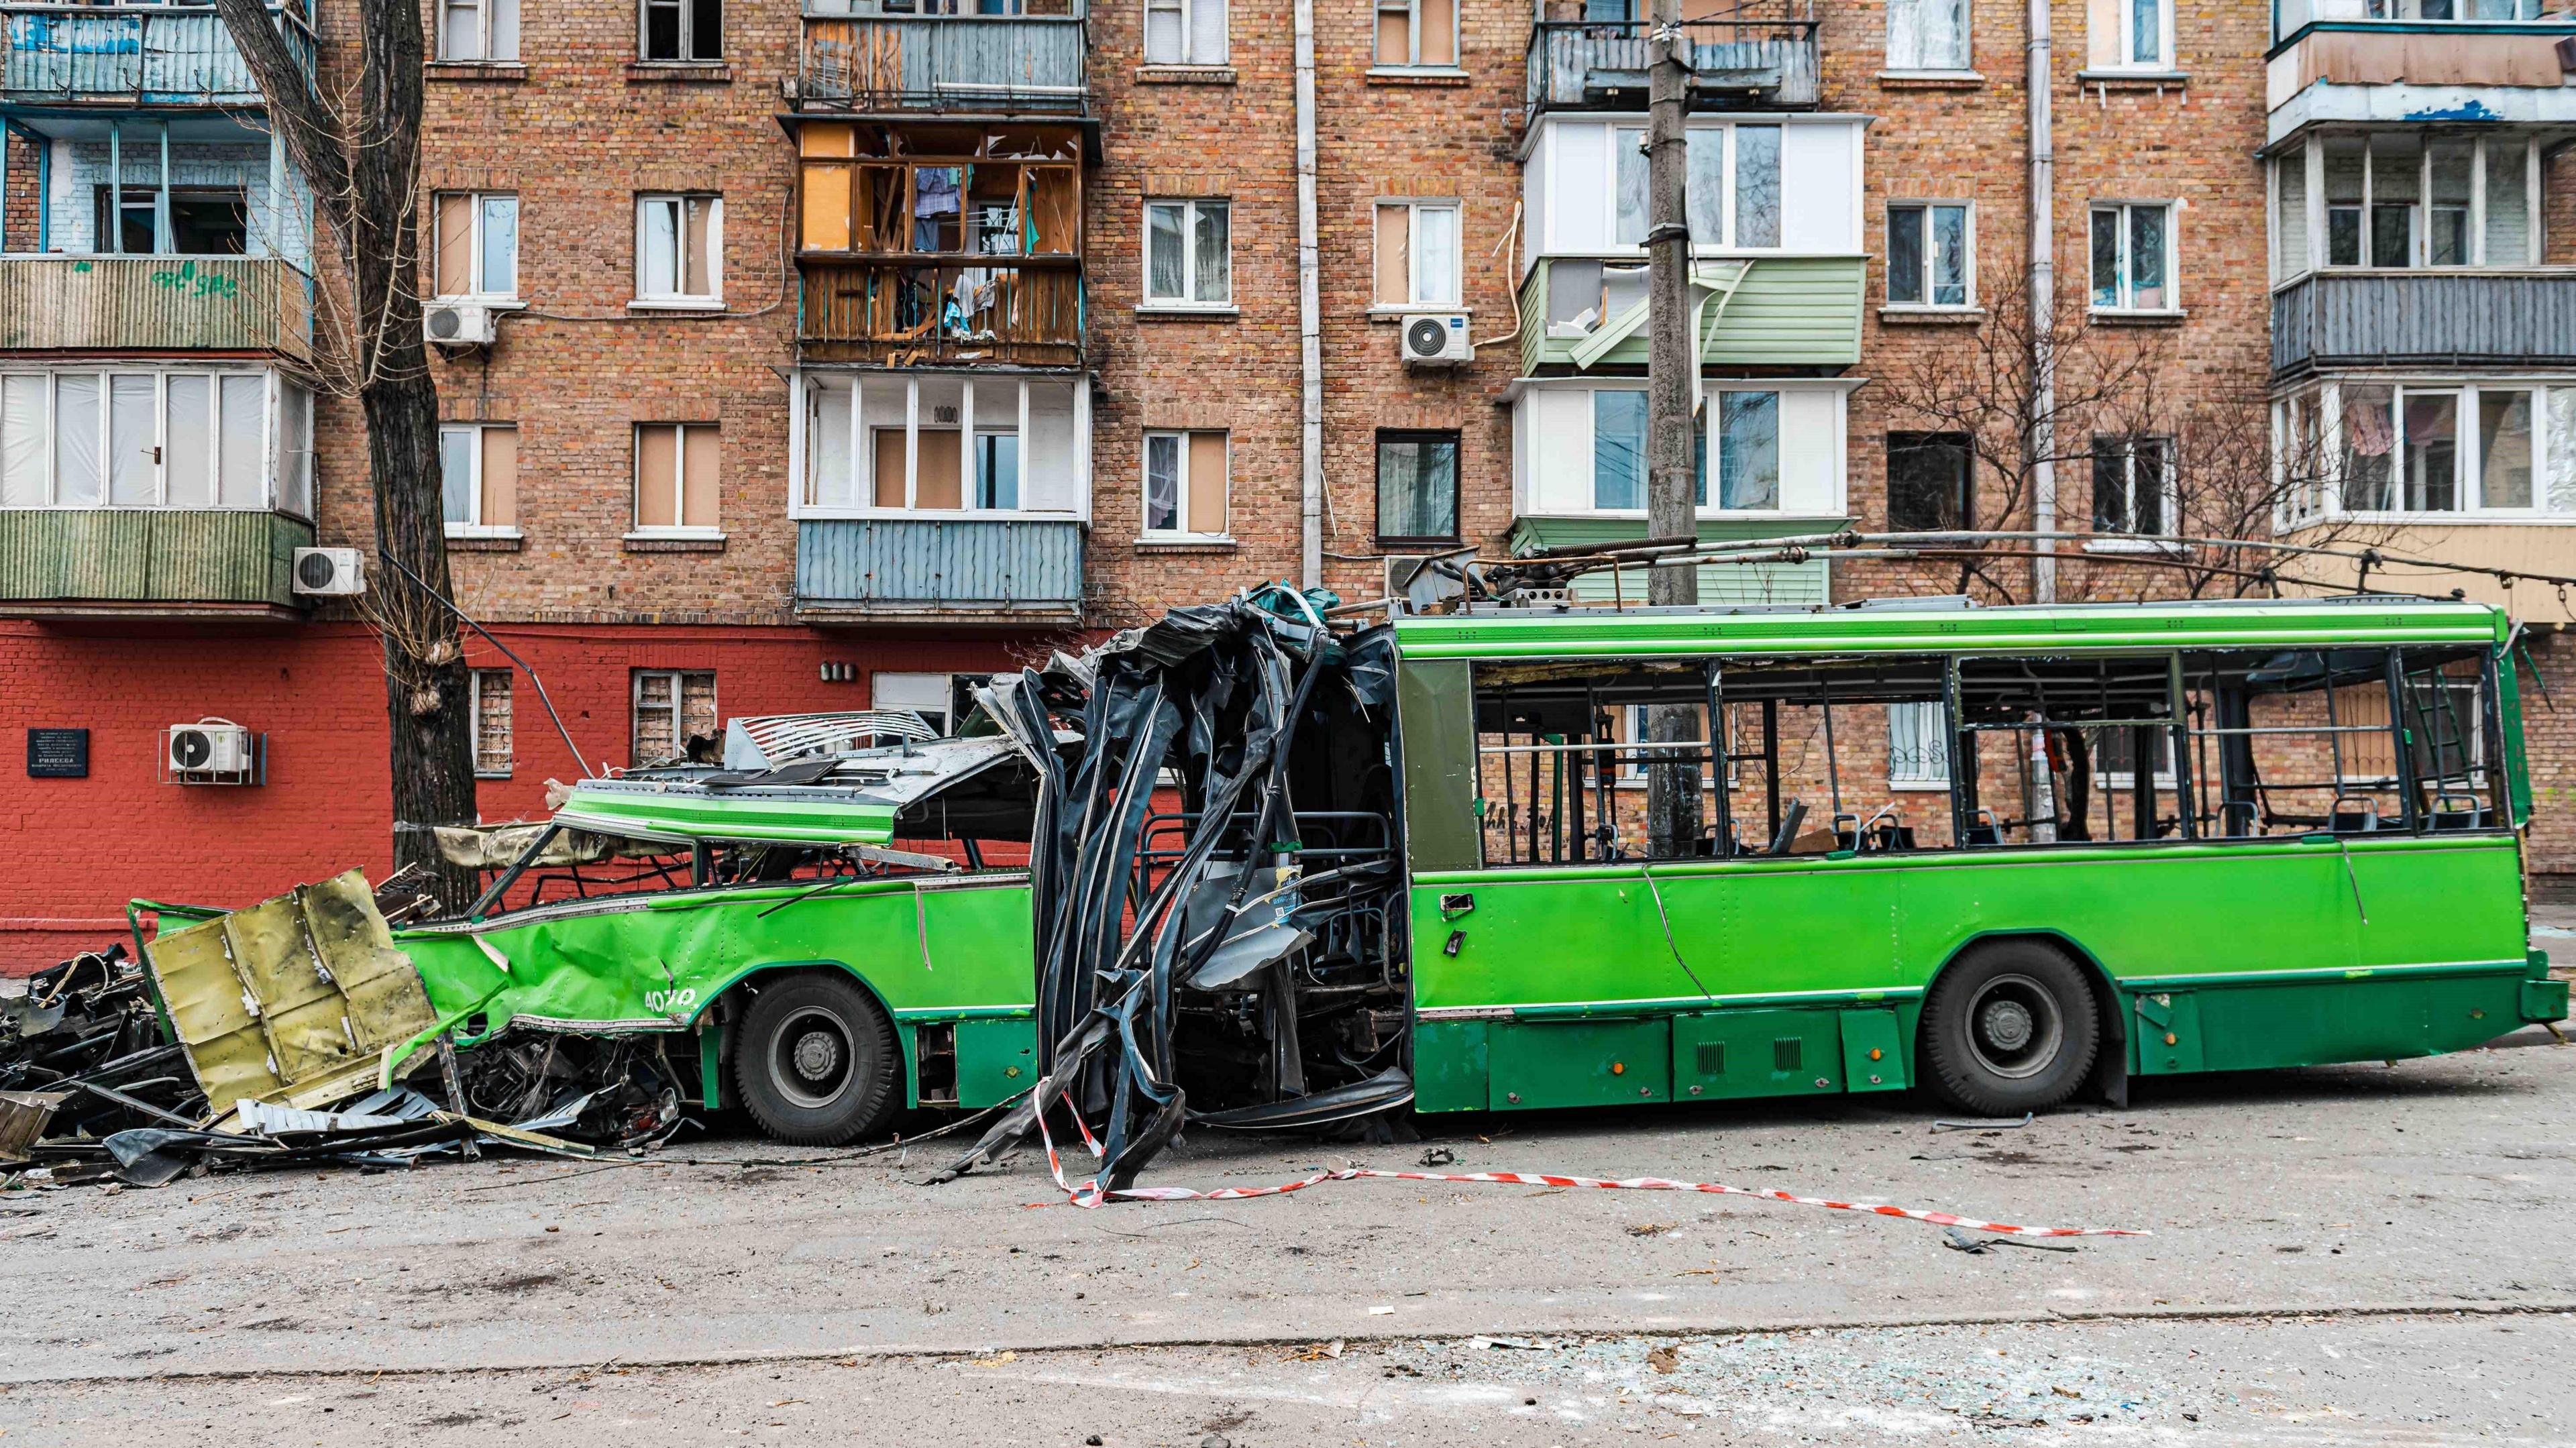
point(456, 324)
point(209, 746)
point(1435, 341)
point(330, 572)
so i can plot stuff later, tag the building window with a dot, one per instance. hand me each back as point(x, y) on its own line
point(478, 30)
point(1417, 253)
point(2401, 201)
point(2133, 255)
point(1927, 34)
point(1748, 451)
point(942, 700)
point(675, 716)
point(2415, 449)
point(155, 439)
point(1417, 487)
point(2133, 482)
point(202, 220)
point(1733, 192)
point(2292, 16)
point(1028, 450)
point(1918, 751)
point(1185, 32)
point(477, 251)
point(479, 474)
point(1930, 487)
point(1417, 33)
point(683, 30)
point(679, 249)
point(2146, 34)
point(489, 719)
point(1185, 484)
point(677, 466)
point(1189, 259)
point(1929, 256)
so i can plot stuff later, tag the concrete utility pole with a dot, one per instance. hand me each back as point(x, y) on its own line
point(2041, 444)
point(1672, 790)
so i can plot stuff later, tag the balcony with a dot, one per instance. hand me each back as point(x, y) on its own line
point(1028, 313)
point(1760, 55)
point(2339, 69)
point(1792, 311)
point(146, 55)
point(941, 571)
point(155, 304)
point(2417, 318)
point(149, 562)
point(988, 64)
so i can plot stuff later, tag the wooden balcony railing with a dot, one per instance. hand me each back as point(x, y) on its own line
point(134, 55)
point(1018, 310)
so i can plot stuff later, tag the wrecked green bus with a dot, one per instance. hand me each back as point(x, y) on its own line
point(1250, 868)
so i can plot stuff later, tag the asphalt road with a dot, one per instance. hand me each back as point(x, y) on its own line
point(2365, 1254)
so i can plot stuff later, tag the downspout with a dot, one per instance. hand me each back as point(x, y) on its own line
point(1310, 318)
point(2042, 442)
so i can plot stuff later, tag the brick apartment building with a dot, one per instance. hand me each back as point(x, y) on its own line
point(835, 354)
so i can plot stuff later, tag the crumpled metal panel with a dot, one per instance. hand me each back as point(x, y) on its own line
point(294, 1000)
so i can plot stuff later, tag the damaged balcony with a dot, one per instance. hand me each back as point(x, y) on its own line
point(1759, 311)
point(880, 55)
point(1753, 55)
point(939, 244)
point(2476, 62)
point(942, 498)
point(154, 55)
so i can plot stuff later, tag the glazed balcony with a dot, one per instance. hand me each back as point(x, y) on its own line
point(2421, 318)
point(940, 571)
point(149, 562)
point(857, 59)
point(156, 304)
point(2417, 62)
point(1757, 55)
point(126, 56)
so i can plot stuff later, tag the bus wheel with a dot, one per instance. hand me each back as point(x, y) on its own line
point(2011, 1028)
point(815, 1060)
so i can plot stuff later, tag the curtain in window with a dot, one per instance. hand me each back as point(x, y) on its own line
point(2508, 218)
point(2562, 449)
point(1163, 483)
point(188, 456)
point(1927, 35)
point(244, 480)
point(1164, 261)
point(76, 460)
point(2504, 448)
point(1916, 751)
point(1214, 270)
point(22, 441)
point(1757, 185)
point(1417, 488)
point(132, 401)
point(1748, 450)
point(1618, 449)
point(1435, 254)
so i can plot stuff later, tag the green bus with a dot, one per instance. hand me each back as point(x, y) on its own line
point(2009, 854)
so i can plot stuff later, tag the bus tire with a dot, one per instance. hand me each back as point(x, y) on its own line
point(2011, 1028)
point(815, 1059)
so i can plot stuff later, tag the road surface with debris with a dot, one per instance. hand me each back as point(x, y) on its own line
point(2346, 1254)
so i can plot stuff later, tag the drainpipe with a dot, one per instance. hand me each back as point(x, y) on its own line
point(1310, 318)
point(2042, 442)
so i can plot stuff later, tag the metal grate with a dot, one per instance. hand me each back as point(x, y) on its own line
point(1788, 1053)
point(1712, 1058)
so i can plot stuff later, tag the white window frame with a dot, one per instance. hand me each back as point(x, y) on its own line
point(2470, 462)
point(1938, 733)
point(1923, 284)
point(474, 246)
point(2312, 160)
point(2168, 497)
point(1414, 300)
point(271, 464)
point(474, 526)
point(1185, 8)
point(636, 527)
point(1187, 301)
point(2126, 53)
point(678, 706)
point(485, 43)
point(948, 717)
point(1626, 138)
point(1413, 40)
point(1144, 486)
point(2128, 270)
point(474, 723)
point(1711, 409)
point(709, 300)
point(1006, 396)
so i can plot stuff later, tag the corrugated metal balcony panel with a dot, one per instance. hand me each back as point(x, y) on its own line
point(148, 556)
point(2361, 319)
point(1001, 568)
point(148, 55)
point(1790, 311)
point(1764, 54)
point(161, 303)
point(959, 63)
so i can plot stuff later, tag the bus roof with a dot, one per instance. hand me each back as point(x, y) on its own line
point(691, 812)
point(1933, 627)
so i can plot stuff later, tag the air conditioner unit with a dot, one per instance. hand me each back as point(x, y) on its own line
point(457, 324)
point(1435, 341)
point(330, 572)
point(209, 746)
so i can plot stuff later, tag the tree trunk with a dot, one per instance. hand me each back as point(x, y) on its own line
point(1672, 373)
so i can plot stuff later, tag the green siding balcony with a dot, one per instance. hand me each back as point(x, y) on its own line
point(1806, 582)
point(155, 303)
point(939, 570)
point(1790, 311)
point(149, 562)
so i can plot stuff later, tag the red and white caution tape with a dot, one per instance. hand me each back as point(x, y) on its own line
point(1091, 1194)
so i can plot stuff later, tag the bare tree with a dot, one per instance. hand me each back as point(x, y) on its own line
point(359, 151)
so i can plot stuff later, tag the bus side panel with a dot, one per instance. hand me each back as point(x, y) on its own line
point(1449, 1066)
point(2248, 1027)
point(1524, 939)
point(996, 1061)
point(2440, 902)
point(976, 947)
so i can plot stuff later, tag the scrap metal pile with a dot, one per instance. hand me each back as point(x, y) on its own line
point(1233, 961)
